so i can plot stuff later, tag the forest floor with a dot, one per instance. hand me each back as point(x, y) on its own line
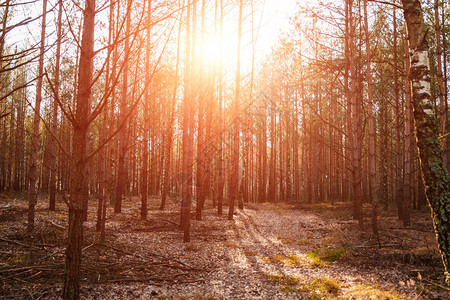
point(269, 251)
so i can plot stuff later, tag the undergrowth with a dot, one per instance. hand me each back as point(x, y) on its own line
point(321, 257)
point(314, 288)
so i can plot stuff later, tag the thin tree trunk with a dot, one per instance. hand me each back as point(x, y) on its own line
point(221, 178)
point(235, 180)
point(356, 124)
point(170, 125)
point(349, 126)
point(372, 132)
point(200, 176)
point(384, 152)
point(20, 139)
point(123, 135)
point(408, 142)
point(295, 146)
point(3, 156)
point(188, 122)
point(144, 186)
point(12, 120)
point(32, 196)
point(398, 129)
point(440, 79)
point(103, 157)
point(55, 114)
point(444, 55)
point(272, 162)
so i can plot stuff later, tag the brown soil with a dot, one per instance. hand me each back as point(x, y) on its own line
point(270, 251)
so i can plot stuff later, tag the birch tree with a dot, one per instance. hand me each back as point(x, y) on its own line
point(435, 174)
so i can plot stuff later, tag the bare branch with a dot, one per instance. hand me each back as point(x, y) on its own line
point(387, 3)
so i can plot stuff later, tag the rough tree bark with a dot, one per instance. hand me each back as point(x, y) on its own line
point(80, 131)
point(435, 175)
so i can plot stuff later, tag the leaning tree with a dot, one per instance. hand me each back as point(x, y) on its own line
point(435, 174)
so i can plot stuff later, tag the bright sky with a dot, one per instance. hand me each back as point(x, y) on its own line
point(275, 20)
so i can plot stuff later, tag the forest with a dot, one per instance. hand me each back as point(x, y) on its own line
point(172, 149)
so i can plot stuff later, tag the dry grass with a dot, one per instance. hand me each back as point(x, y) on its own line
point(314, 288)
point(363, 291)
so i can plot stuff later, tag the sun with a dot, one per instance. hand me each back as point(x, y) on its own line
point(211, 51)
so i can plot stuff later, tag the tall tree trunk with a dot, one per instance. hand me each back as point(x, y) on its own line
point(112, 153)
point(398, 129)
point(55, 114)
point(356, 125)
point(349, 138)
point(32, 196)
point(372, 131)
point(200, 174)
point(75, 236)
point(20, 139)
point(123, 135)
point(272, 161)
point(102, 181)
point(408, 142)
point(295, 146)
point(103, 156)
point(12, 120)
point(443, 114)
point(170, 125)
point(237, 95)
point(3, 156)
point(221, 177)
point(444, 55)
point(188, 127)
point(209, 139)
point(144, 186)
point(384, 152)
point(435, 175)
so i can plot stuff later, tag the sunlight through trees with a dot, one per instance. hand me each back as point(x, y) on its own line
point(107, 102)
